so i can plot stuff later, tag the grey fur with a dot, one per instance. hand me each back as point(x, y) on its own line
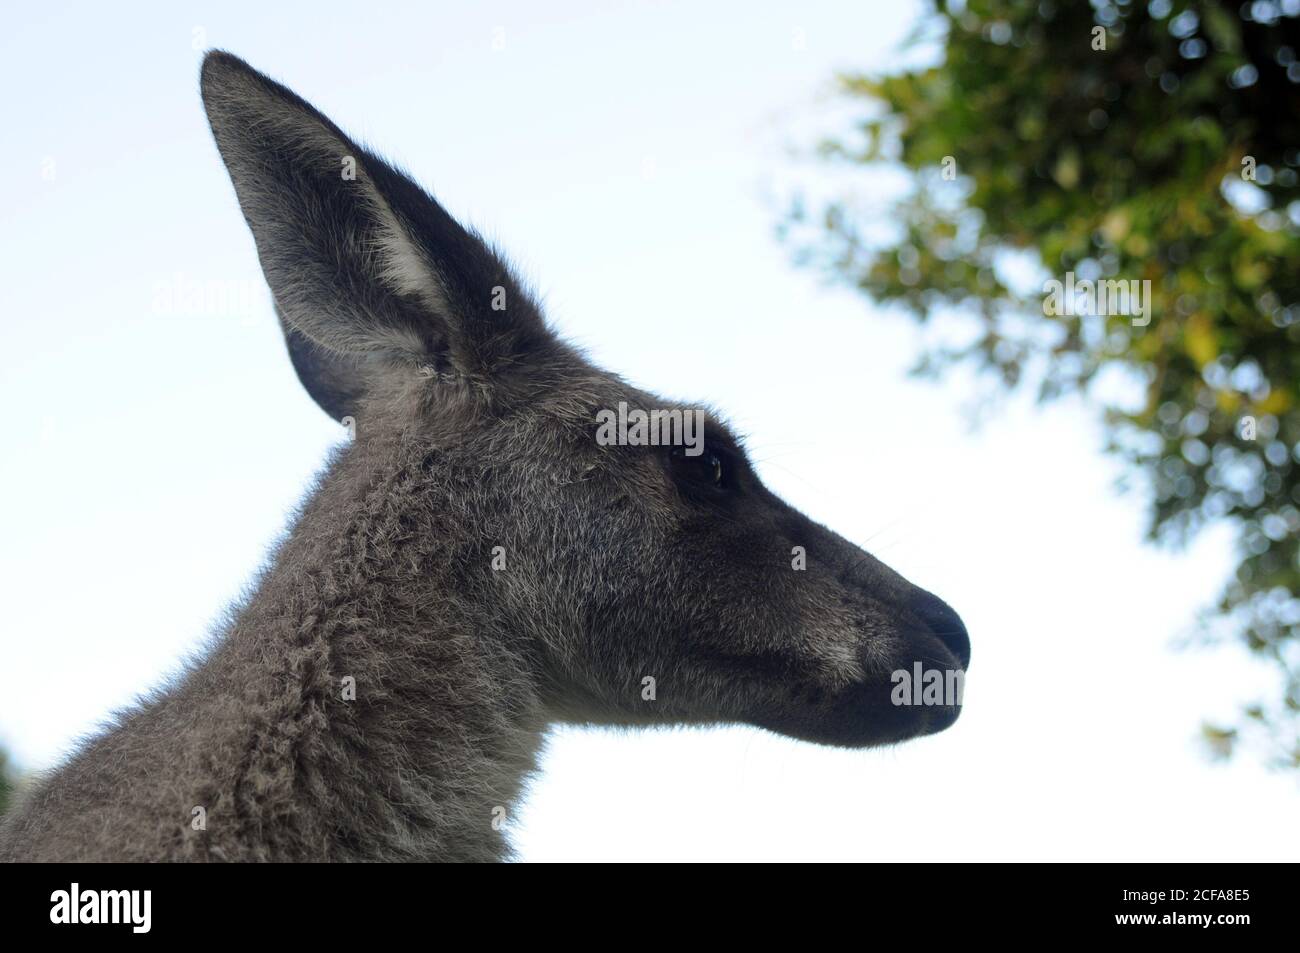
point(474, 430)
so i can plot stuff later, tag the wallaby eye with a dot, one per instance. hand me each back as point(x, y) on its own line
point(706, 468)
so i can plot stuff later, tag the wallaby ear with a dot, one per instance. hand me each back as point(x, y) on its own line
point(368, 272)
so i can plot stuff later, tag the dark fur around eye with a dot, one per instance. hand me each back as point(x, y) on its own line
point(712, 469)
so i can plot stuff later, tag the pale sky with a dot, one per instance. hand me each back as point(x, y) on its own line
point(627, 156)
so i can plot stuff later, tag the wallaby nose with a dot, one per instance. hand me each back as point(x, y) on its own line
point(944, 623)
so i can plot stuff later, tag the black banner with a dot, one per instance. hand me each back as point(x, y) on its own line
point(1213, 904)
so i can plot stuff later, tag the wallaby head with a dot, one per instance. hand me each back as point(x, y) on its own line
point(610, 562)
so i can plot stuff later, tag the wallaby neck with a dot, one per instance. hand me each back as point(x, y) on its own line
point(363, 703)
point(381, 692)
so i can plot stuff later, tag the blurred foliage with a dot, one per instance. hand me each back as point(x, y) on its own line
point(1171, 155)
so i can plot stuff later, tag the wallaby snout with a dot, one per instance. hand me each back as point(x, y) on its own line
point(944, 623)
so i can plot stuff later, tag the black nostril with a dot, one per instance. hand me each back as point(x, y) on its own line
point(943, 622)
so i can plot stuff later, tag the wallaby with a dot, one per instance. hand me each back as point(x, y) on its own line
point(476, 563)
